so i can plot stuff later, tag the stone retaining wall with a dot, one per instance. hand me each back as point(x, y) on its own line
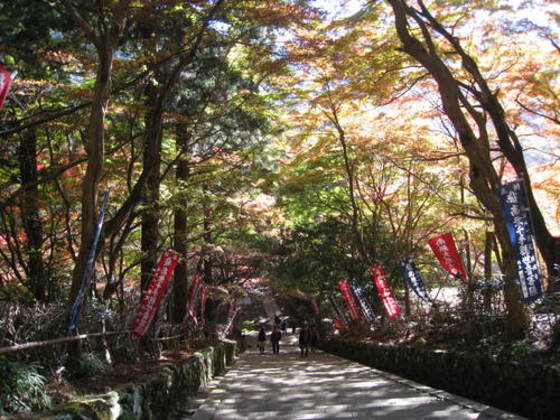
point(154, 394)
point(531, 391)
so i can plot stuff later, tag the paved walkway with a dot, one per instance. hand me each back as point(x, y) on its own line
point(323, 386)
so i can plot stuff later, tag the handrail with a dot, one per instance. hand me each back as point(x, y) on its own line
point(18, 347)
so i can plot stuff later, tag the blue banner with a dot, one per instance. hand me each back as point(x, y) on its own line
point(414, 279)
point(516, 214)
point(74, 314)
point(364, 304)
point(339, 312)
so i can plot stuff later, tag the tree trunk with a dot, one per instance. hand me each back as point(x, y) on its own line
point(32, 224)
point(152, 158)
point(180, 282)
point(483, 177)
point(349, 169)
point(95, 151)
point(508, 142)
point(166, 84)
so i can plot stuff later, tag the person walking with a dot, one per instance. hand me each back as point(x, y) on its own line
point(304, 340)
point(313, 337)
point(275, 340)
point(261, 340)
point(294, 326)
point(284, 327)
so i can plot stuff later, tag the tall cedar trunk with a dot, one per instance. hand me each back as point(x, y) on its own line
point(180, 282)
point(483, 178)
point(32, 225)
point(95, 151)
point(166, 88)
point(152, 157)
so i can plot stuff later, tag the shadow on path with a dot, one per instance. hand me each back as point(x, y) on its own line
point(322, 386)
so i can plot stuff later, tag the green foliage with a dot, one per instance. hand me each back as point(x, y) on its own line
point(316, 255)
point(521, 349)
point(22, 388)
point(23, 323)
point(248, 326)
point(88, 364)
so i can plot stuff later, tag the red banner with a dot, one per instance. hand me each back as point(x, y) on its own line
point(339, 325)
point(232, 312)
point(203, 297)
point(389, 301)
point(156, 291)
point(5, 83)
point(191, 297)
point(351, 304)
point(447, 254)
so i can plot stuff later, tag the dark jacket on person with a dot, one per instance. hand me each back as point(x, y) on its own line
point(313, 337)
point(275, 336)
point(262, 335)
point(304, 337)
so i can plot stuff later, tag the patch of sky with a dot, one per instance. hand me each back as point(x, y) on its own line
point(220, 27)
point(56, 34)
point(76, 78)
point(121, 55)
point(339, 9)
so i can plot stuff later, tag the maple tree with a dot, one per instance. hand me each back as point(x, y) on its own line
point(267, 138)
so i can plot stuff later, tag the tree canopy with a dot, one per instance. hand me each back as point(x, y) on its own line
point(274, 140)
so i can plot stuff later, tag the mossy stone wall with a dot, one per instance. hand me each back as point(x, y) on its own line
point(531, 391)
point(152, 395)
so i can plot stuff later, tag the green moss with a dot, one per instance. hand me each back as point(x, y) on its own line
point(152, 395)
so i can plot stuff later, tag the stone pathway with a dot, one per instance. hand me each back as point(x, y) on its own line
point(323, 386)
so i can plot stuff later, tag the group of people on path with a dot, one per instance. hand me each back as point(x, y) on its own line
point(307, 339)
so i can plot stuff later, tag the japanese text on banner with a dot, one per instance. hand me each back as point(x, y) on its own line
point(364, 304)
point(156, 291)
point(350, 301)
point(514, 207)
point(446, 252)
point(414, 279)
point(389, 301)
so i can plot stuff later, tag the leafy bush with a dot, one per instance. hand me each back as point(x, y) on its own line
point(521, 349)
point(22, 388)
point(89, 364)
point(247, 326)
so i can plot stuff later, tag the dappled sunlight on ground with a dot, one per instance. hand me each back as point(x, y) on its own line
point(321, 386)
